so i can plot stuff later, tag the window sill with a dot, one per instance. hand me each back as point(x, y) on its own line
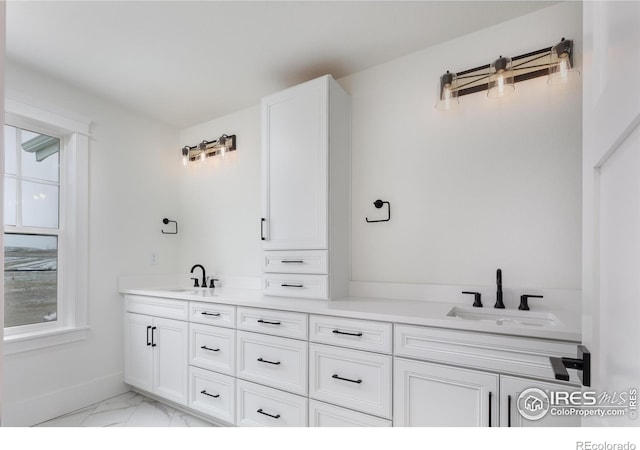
point(26, 342)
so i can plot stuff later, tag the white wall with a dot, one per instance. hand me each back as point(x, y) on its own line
point(220, 201)
point(2, 52)
point(495, 185)
point(132, 183)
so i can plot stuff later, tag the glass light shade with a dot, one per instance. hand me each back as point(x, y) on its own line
point(448, 98)
point(203, 151)
point(501, 81)
point(561, 70)
point(185, 156)
point(223, 144)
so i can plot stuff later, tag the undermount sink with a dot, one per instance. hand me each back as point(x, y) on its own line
point(180, 290)
point(505, 317)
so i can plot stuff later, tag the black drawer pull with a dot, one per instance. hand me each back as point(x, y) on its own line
point(153, 337)
point(210, 395)
point(348, 334)
point(292, 285)
point(267, 322)
point(262, 221)
point(508, 410)
point(345, 379)
point(292, 261)
point(204, 347)
point(204, 313)
point(269, 362)
point(277, 416)
point(148, 328)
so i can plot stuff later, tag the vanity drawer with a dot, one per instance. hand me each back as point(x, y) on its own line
point(212, 394)
point(354, 333)
point(157, 306)
point(296, 261)
point(274, 361)
point(212, 348)
point(280, 323)
point(296, 285)
point(499, 353)
point(351, 378)
point(260, 406)
point(326, 415)
point(212, 313)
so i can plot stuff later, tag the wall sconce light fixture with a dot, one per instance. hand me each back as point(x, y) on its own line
point(501, 81)
point(499, 77)
point(448, 92)
point(206, 149)
point(561, 69)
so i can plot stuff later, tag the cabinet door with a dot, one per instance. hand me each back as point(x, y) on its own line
point(295, 167)
point(138, 354)
point(434, 395)
point(510, 390)
point(171, 359)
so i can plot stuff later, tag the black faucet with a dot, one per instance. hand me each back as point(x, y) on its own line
point(204, 276)
point(524, 301)
point(499, 303)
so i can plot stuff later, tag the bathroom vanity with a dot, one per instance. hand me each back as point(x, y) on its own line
point(238, 357)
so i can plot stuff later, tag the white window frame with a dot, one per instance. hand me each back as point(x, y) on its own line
point(71, 324)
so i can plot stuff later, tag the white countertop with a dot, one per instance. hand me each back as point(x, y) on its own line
point(433, 314)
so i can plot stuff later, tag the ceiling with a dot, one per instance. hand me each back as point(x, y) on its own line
point(184, 62)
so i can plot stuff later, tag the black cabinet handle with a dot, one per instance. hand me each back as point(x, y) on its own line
point(269, 362)
point(292, 261)
point(153, 337)
point(345, 379)
point(210, 395)
point(204, 313)
point(277, 416)
point(348, 334)
point(148, 341)
point(262, 221)
point(508, 410)
point(267, 322)
point(292, 285)
point(204, 347)
point(490, 395)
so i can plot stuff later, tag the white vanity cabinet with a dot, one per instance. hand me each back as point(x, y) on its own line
point(469, 378)
point(306, 166)
point(435, 395)
point(257, 366)
point(156, 355)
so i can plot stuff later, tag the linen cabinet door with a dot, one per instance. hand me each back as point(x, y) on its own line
point(170, 342)
point(434, 395)
point(295, 167)
point(533, 405)
point(138, 353)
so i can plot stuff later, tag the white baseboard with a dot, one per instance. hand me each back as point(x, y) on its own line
point(35, 410)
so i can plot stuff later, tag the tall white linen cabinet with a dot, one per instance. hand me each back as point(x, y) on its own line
point(306, 191)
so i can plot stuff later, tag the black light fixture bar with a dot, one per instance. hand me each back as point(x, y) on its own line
point(477, 75)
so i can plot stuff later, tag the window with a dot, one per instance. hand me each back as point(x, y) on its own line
point(45, 227)
point(32, 218)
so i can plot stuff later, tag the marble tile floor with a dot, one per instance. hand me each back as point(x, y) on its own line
point(127, 410)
